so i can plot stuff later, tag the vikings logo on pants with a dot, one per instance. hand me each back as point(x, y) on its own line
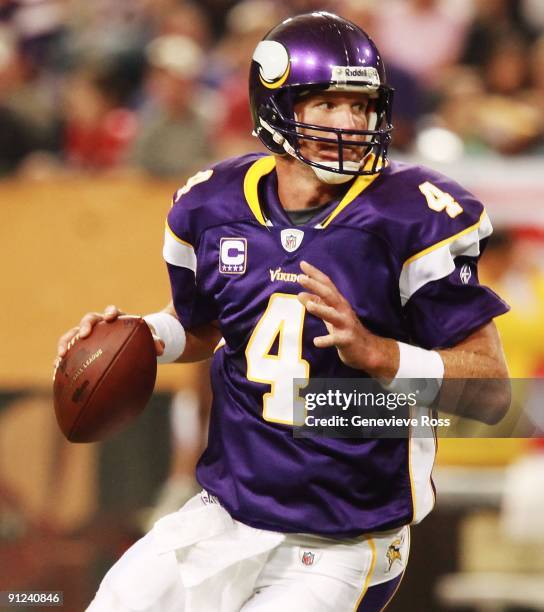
point(394, 552)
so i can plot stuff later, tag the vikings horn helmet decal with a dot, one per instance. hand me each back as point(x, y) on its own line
point(273, 61)
point(316, 52)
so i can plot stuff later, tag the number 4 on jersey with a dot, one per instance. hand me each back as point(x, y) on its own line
point(283, 321)
point(439, 200)
point(199, 177)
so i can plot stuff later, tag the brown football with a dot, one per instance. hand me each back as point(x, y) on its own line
point(105, 380)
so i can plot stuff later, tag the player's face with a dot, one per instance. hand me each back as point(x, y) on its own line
point(345, 110)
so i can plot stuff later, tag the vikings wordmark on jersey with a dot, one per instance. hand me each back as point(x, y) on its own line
point(402, 247)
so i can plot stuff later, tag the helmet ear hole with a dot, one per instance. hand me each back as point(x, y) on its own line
point(266, 112)
point(270, 137)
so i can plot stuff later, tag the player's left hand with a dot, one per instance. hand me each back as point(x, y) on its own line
point(357, 347)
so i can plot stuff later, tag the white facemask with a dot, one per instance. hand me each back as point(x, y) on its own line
point(325, 176)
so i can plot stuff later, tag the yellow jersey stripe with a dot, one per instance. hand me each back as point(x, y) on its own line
point(265, 165)
point(411, 473)
point(433, 247)
point(177, 238)
point(260, 168)
point(359, 185)
point(219, 345)
point(395, 591)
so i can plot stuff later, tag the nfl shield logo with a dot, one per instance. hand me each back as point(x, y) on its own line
point(291, 239)
point(307, 558)
point(290, 242)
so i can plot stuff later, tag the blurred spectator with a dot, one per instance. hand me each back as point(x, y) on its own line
point(408, 106)
point(7, 9)
point(418, 36)
point(409, 101)
point(508, 269)
point(247, 23)
point(217, 11)
point(19, 134)
point(493, 101)
point(462, 96)
point(494, 107)
point(110, 27)
point(173, 139)
point(16, 141)
point(360, 12)
point(130, 24)
point(40, 27)
point(188, 19)
point(505, 121)
point(536, 68)
point(494, 21)
point(98, 128)
point(505, 70)
point(535, 95)
point(33, 97)
point(533, 10)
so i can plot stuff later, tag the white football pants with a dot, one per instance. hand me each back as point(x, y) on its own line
point(200, 559)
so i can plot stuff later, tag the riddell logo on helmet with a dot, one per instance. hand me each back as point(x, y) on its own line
point(368, 75)
point(354, 72)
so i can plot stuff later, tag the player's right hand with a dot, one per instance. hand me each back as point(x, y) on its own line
point(85, 329)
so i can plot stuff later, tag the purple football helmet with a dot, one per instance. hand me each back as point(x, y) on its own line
point(316, 52)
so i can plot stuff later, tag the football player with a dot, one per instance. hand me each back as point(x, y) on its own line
point(322, 259)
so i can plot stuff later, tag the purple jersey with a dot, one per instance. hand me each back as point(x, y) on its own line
point(402, 247)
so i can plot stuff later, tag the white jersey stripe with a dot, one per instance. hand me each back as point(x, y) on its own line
point(177, 252)
point(422, 453)
point(439, 263)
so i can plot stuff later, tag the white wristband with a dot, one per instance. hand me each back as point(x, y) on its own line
point(420, 371)
point(171, 332)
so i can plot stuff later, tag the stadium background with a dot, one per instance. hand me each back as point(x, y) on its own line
point(105, 109)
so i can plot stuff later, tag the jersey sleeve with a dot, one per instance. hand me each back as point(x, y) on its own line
point(442, 299)
point(180, 251)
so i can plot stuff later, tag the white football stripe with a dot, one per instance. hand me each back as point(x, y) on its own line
point(439, 262)
point(178, 253)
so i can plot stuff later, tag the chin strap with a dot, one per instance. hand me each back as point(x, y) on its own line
point(335, 178)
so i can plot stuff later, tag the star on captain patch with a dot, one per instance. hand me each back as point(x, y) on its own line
point(291, 239)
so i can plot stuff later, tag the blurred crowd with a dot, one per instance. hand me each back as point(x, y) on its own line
point(160, 86)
